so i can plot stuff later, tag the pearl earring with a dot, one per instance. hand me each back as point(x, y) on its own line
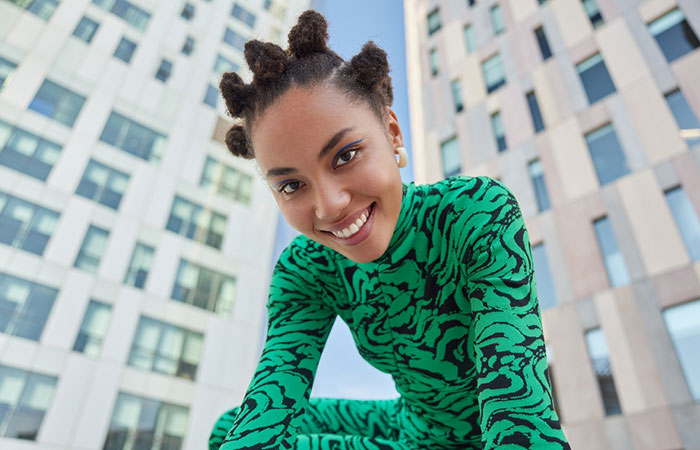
point(403, 157)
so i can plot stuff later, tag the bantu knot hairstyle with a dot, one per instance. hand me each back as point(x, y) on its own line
point(307, 62)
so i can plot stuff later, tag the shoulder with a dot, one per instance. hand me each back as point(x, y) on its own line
point(302, 265)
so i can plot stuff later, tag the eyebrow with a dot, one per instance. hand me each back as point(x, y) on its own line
point(332, 142)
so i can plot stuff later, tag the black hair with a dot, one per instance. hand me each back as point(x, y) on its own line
point(307, 62)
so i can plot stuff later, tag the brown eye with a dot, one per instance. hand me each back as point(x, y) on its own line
point(345, 157)
point(289, 187)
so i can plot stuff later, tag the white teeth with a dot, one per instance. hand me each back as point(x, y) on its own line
point(353, 228)
point(359, 222)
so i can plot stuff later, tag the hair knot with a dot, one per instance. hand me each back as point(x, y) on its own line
point(266, 60)
point(238, 143)
point(239, 96)
point(309, 35)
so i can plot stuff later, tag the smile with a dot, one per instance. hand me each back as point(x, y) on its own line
point(354, 230)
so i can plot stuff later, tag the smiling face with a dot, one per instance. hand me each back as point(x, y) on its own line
point(330, 164)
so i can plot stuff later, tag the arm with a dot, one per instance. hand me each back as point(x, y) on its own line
point(298, 325)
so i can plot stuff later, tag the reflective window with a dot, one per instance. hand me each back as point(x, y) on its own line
point(125, 50)
point(595, 78)
point(494, 74)
point(243, 15)
point(139, 266)
point(24, 399)
point(188, 46)
point(132, 137)
point(235, 40)
point(164, 348)
point(451, 157)
point(683, 323)
point(546, 293)
point(211, 96)
point(685, 117)
point(674, 35)
point(41, 8)
point(26, 152)
point(204, 288)
point(24, 306)
point(456, 88)
point(497, 19)
point(499, 131)
point(537, 177)
point(25, 225)
point(543, 43)
point(194, 222)
point(535, 114)
point(93, 329)
point(224, 65)
point(600, 362)
point(132, 14)
point(91, 251)
point(593, 13)
point(140, 423)
point(612, 256)
point(686, 219)
point(225, 180)
point(607, 154)
point(433, 21)
point(57, 102)
point(85, 29)
point(164, 70)
point(434, 63)
point(187, 11)
point(6, 69)
point(469, 38)
point(103, 184)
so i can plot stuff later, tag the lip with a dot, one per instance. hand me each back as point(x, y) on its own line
point(360, 235)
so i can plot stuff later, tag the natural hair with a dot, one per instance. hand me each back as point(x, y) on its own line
point(307, 62)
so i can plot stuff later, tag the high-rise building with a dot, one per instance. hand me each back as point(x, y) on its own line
point(134, 252)
point(588, 110)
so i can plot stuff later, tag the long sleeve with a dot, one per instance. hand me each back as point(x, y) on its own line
point(515, 403)
point(299, 322)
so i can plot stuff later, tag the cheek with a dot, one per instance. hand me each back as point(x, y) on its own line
point(295, 216)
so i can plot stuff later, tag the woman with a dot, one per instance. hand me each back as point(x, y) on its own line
point(435, 282)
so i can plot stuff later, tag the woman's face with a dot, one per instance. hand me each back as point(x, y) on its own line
point(330, 164)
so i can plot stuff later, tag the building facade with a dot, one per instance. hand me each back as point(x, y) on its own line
point(134, 252)
point(588, 111)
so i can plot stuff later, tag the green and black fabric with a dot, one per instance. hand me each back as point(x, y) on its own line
point(450, 311)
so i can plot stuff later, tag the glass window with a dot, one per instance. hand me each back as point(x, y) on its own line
point(24, 399)
point(537, 177)
point(224, 65)
point(6, 69)
point(164, 348)
point(469, 38)
point(164, 70)
point(93, 329)
point(593, 13)
point(456, 88)
point(26, 152)
point(139, 266)
point(543, 43)
point(451, 157)
point(85, 29)
point(685, 117)
point(204, 288)
point(499, 131)
point(125, 50)
point(187, 11)
point(24, 306)
point(686, 220)
point(543, 274)
point(41, 8)
point(595, 78)
point(434, 63)
point(25, 225)
point(57, 102)
point(103, 184)
point(194, 222)
point(612, 256)
point(243, 15)
point(497, 19)
point(188, 46)
point(211, 96)
point(674, 35)
point(141, 423)
point(133, 137)
point(471, 2)
point(683, 323)
point(607, 154)
point(535, 114)
point(234, 39)
point(494, 74)
point(600, 362)
point(92, 249)
point(225, 180)
point(433, 21)
point(132, 14)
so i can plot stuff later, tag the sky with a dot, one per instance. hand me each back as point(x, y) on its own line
point(342, 373)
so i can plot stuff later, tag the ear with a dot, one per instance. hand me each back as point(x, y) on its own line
point(392, 127)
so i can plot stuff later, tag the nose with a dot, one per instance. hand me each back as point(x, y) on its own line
point(331, 199)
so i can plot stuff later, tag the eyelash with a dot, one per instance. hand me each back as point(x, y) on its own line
point(352, 150)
